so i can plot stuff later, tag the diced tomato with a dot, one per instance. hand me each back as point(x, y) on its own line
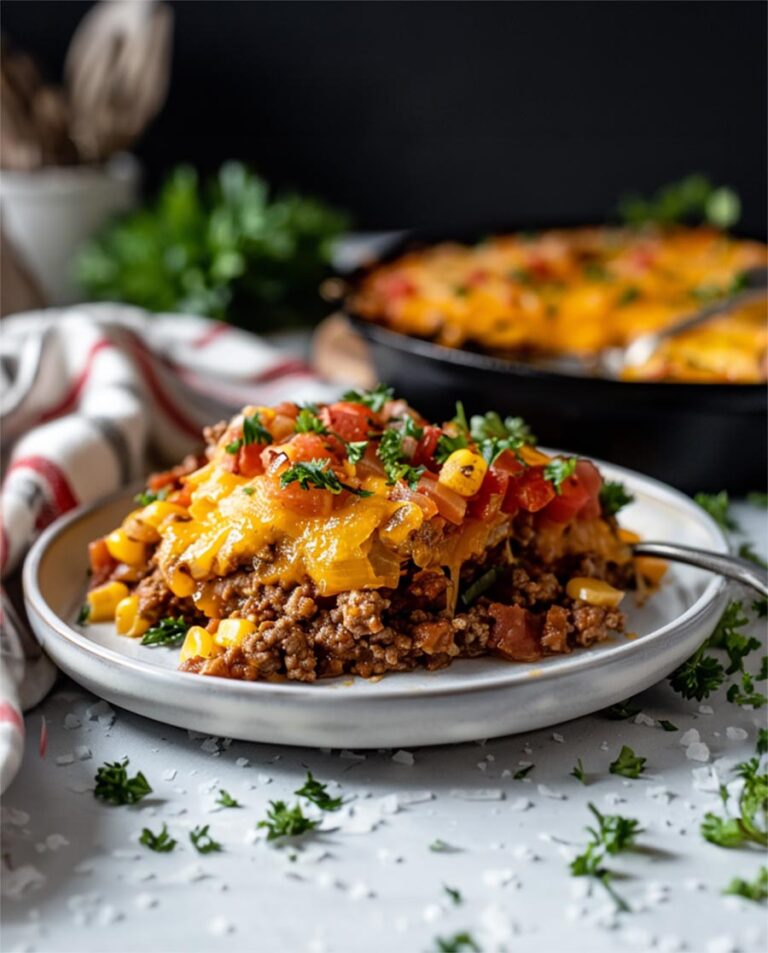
point(352, 422)
point(395, 285)
point(568, 503)
point(249, 459)
point(490, 496)
point(530, 490)
point(590, 478)
point(425, 449)
point(450, 505)
point(311, 502)
point(514, 633)
point(307, 446)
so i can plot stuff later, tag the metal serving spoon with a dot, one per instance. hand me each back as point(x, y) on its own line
point(732, 567)
point(637, 352)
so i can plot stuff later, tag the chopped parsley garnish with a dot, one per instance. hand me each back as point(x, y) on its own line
point(454, 894)
point(481, 585)
point(317, 473)
point(699, 676)
point(356, 450)
point(493, 435)
point(149, 496)
point(751, 824)
point(594, 271)
point(248, 490)
point(621, 711)
point(558, 470)
point(613, 835)
point(747, 552)
point(317, 793)
point(578, 772)
point(392, 455)
point(523, 772)
point(225, 799)
point(693, 198)
point(762, 741)
point(284, 821)
point(83, 614)
point(614, 497)
point(375, 399)
point(457, 943)
point(447, 444)
point(460, 418)
point(307, 421)
point(756, 889)
point(628, 764)
point(166, 632)
point(760, 608)
point(203, 842)
point(162, 843)
point(114, 785)
point(627, 296)
point(253, 432)
point(716, 504)
point(758, 499)
point(745, 694)
point(667, 725)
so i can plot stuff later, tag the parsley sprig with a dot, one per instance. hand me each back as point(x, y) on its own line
point(750, 826)
point(613, 835)
point(614, 497)
point(318, 474)
point(558, 470)
point(578, 772)
point(253, 432)
point(317, 792)
point(203, 842)
point(284, 821)
point(393, 457)
point(493, 435)
point(628, 764)
point(114, 786)
point(225, 799)
point(756, 889)
point(375, 399)
point(717, 505)
point(161, 843)
point(457, 943)
point(167, 632)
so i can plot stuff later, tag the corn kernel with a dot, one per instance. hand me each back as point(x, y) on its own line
point(233, 631)
point(652, 570)
point(595, 592)
point(126, 550)
point(463, 472)
point(181, 583)
point(156, 513)
point(127, 619)
point(103, 601)
point(198, 642)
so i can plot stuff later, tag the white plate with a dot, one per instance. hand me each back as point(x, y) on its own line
point(472, 699)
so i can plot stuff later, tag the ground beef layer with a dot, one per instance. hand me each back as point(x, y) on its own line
point(303, 636)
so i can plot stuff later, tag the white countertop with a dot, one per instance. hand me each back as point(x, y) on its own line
point(77, 879)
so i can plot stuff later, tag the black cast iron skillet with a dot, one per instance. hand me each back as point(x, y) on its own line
point(695, 436)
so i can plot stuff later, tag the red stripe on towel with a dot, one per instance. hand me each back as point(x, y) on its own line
point(63, 497)
point(79, 383)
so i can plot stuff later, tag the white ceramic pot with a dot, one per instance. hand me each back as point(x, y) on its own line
point(48, 214)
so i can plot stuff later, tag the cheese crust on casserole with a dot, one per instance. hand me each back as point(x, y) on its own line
point(359, 538)
point(579, 291)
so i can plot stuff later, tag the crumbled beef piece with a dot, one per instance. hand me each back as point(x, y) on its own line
point(556, 628)
point(360, 611)
point(595, 623)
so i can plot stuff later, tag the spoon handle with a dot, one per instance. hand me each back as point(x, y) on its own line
point(730, 566)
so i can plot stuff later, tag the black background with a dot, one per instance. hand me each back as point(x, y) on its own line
point(457, 114)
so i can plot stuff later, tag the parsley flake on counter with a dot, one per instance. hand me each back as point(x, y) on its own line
point(439, 846)
point(716, 504)
point(746, 551)
point(457, 943)
point(558, 471)
point(614, 497)
point(613, 835)
point(667, 725)
point(225, 799)
point(83, 614)
point(317, 473)
point(284, 821)
point(758, 499)
point(114, 786)
point(166, 632)
point(726, 636)
point(375, 399)
point(756, 889)
point(745, 694)
point(751, 825)
point(628, 764)
point(762, 741)
point(454, 894)
point(578, 772)
point(523, 772)
point(317, 792)
point(760, 608)
point(621, 711)
point(203, 842)
point(162, 843)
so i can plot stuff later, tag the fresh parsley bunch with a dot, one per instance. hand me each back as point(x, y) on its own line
point(225, 249)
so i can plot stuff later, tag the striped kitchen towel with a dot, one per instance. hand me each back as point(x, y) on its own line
point(93, 396)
